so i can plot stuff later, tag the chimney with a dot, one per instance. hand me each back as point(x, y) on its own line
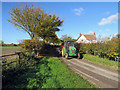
point(80, 34)
point(94, 33)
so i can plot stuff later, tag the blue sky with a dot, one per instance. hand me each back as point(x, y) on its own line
point(79, 17)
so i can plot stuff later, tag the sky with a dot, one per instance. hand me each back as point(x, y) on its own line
point(79, 17)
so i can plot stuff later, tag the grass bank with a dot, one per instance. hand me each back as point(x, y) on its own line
point(104, 62)
point(48, 72)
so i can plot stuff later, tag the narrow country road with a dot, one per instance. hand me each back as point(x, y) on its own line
point(98, 75)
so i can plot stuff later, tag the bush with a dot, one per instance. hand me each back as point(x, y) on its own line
point(38, 46)
point(108, 49)
point(29, 45)
point(48, 72)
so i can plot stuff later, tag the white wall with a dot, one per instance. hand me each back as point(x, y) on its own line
point(82, 39)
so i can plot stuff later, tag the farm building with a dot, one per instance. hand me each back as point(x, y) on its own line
point(87, 38)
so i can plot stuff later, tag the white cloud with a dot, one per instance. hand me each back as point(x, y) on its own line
point(108, 20)
point(78, 11)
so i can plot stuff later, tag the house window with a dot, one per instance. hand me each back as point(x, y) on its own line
point(89, 40)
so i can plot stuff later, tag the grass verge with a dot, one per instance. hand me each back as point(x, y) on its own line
point(49, 72)
point(104, 62)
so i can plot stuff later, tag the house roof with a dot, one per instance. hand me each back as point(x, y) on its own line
point(88, 36)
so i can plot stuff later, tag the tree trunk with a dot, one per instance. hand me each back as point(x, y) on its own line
point(44, 41)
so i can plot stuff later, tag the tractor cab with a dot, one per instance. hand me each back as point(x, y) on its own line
point(68, 49)
point(69, 43)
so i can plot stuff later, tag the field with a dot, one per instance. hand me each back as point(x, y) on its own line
point(9, 50)
point(10, 47)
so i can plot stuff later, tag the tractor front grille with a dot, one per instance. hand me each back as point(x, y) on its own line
point(73, 51)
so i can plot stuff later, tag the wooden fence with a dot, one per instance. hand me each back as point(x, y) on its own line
point(8, 56)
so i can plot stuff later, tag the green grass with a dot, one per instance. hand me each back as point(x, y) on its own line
point(10, 47)
point(49, 72)
point(62, 77)
point(104, 62)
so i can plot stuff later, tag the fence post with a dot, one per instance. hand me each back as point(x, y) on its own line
point(35, 52)
point(18, 53)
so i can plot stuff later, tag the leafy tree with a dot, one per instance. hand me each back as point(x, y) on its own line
point(36, 22)
point(118, 35)
point(109, 49)
point(29, 45)
point(105, 39)
point(1, 43)
point(102, 39)
point(67, 38)
point(99, 39)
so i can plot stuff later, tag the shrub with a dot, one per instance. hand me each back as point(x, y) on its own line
point(109, 49)
point(38, 46)
point(29, 45)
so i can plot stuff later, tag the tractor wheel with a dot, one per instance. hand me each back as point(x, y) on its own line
point(63, 53)
point(66, 56)
point(79, 56)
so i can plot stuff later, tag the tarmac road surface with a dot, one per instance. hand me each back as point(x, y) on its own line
point(96, 74)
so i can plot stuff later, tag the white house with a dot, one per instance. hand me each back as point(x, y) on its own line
point(87, 38)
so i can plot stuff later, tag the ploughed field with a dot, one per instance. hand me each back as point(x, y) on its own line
point(6, 50)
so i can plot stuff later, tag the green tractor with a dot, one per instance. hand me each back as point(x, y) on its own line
point(68, 49)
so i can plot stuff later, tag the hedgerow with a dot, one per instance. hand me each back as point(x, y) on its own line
point(109, 49)
point(46, 72)
point(29, 45)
